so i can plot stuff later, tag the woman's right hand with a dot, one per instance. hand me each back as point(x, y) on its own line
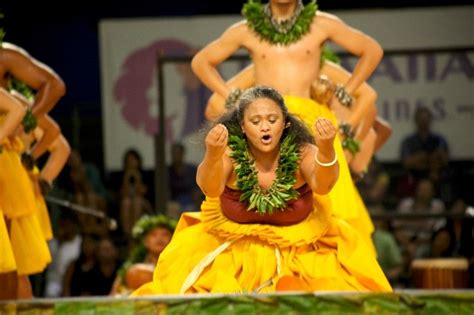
point(216, 141)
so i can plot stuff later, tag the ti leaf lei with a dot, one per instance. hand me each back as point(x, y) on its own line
point(29, 120)
point(257, 20)
point(281, 191)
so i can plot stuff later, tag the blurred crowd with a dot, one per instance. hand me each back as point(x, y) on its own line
point(88, 255)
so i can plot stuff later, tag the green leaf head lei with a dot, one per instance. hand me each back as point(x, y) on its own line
point(141, 228)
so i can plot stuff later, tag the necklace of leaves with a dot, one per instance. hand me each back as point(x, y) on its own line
point(29, 120)
point(281, 191)
point(259, 18)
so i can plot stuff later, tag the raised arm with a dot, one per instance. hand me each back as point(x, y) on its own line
point(206, 60)
point(48, 85)
point(243, 80)
point(14, 114)
point(216, 167)
point(366, 48)
point(319, 165)
point(363, 109)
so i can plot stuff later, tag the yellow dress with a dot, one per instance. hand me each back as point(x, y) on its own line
point(22, 232)
point(43, 214)
point(7, 259)
point(210, 253)
point(347, 203)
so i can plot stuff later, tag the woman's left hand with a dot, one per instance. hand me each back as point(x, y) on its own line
point(324, 134)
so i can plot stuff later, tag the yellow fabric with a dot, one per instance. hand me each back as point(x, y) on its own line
point(320, 253)
point(16, 194)
point(43, 218)
point(19, 207)
point(7, 259)
point(43, 214)
point(29, 246)
point(345, 198)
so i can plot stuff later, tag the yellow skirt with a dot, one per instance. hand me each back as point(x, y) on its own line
point(209, 253)
point(7, 259)
point(19, 207)
point(43, 214)
point(346, 201)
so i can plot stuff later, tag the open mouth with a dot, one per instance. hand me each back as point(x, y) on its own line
point(266, 139)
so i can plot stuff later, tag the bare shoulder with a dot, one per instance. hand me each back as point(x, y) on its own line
point(13, 50)
point(327, 19)
point(238, 29)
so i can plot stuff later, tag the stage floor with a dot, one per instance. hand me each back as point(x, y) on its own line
point(456, 302)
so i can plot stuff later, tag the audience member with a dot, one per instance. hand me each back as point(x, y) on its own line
point(65, 248)
point(374, 186)
point(106, 267)
point(415, 234)
point(79, 280)
point(151, 234)
point(424, 154)
point(133, 202)
point(84, 195)
point(389, 253)
point(181, 177)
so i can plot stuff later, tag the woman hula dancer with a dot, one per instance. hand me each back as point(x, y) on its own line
point(266, 224)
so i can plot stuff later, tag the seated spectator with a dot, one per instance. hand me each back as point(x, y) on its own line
point(79, 280)
point(424, 154)
point(84, 195)
point(152, 234)
point(389, 254)
point(65, 248)
point(181, 177)
point(443, 243)
point(91, 173)
point(106, 267)
point(415, 234)
point(133, 202)
point(374, 185)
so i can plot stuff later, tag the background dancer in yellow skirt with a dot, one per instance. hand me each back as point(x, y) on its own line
point(266, 224)
point(41, 136)
point(17, 198)
point(285, 41)
point(23, 231)
point(11, 113)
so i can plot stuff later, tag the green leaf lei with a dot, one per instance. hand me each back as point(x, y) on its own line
point(257, 20)
point(281, 191)
point(328, 54)
point(29, 120)
point(349, 142)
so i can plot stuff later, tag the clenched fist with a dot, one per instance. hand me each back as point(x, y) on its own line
point(324, 134)
point(216, 141)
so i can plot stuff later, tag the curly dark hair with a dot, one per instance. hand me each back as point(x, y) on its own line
point(234, 118)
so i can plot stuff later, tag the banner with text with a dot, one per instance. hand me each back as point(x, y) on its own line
point(442, 81)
